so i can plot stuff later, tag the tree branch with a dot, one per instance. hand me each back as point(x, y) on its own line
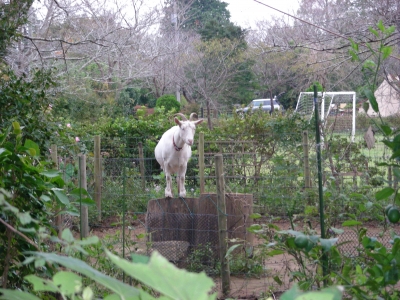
point(20, 234)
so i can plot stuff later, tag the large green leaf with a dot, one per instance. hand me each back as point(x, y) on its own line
point(167, 279)
point(384, 193)
point(60, 195)
point(67, 282)
point(123, 290)
point(40, 284)
point(16, 295)
point(386, 129)
point(330, 293)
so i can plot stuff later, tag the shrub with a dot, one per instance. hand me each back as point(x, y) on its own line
point(169, 102)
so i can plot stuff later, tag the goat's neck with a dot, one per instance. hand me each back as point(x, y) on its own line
point(178, 142)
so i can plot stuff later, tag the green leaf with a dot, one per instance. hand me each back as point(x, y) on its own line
point(45, 198)
point(231, 248)
point(32, 145)
point(69, 170)
point(24, 218)
point(292, 232)
point(255, 228)
point(67, 235)
point(167, 279)
point(380, 26)
point(141, 259)
point(61, 197)
point(16, 127)
point(386, 129)
point(67, 282)
point(27, 230)
point(328, 243)
point(353, 54)
point(372, 100)
point(390, 30)
point(366, 106)
point(374, 32)
point(255, 216)
point(275, 252)
point(16, 295)
point(395, 154)
point(114, 285)
point(87, 293)
point(89, 240)
point(386, 51)
point(292, 293)
point(277, 280)
point(330, 293)
point(51, 173)
point(384, 193)
point(353, 44)
point(40, 284)
point(39, 262)
point(80, 192)
point(351, 223)
point(86, 201)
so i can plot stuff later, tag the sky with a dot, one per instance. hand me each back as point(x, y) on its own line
point(246, 13)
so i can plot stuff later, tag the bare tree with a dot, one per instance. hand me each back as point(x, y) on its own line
point(108, 43)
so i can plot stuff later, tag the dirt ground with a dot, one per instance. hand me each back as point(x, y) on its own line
point(243, 287)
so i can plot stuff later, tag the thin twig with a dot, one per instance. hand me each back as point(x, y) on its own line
point(20, 234)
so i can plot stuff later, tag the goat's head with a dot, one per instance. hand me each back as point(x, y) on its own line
point(187, 128)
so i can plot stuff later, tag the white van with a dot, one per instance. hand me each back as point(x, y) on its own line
point(264, 104)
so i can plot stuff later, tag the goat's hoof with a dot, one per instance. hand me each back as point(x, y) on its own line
point(168, 196)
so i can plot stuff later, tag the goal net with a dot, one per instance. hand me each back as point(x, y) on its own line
point(337, 110)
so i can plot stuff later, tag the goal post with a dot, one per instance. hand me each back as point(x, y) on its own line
point(337, 110)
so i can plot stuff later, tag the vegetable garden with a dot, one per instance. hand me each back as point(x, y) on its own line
point(279, 170)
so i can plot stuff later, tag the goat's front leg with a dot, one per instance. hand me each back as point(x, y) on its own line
point(181, 184)
point(168, 192)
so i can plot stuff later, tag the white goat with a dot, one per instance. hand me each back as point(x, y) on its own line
point(174, 150)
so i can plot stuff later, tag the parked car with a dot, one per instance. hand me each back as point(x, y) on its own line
point(264, 104)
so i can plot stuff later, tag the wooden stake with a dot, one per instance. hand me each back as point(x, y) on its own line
point(97, 176)
point(141, 165)
point(222, 224)
point(201, 161)
point(83, 185)
point(59, 217)
point(307, 175)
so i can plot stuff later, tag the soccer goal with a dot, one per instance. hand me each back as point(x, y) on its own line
point(337, 110)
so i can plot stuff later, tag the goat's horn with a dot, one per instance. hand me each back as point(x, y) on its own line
point(182, 115)
point(193, 117)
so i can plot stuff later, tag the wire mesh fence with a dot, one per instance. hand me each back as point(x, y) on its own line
point(279, 174)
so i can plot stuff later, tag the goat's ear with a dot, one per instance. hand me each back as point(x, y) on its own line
point(198, 122)
point(177, 121)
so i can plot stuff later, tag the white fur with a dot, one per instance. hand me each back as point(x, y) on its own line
point(173, 161)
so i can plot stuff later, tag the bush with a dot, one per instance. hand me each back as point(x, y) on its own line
point(169, 102)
